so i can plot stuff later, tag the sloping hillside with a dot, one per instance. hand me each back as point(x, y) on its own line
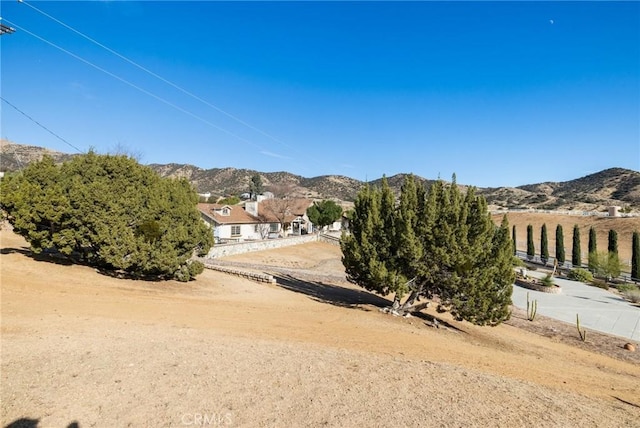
point(16, 156)
point(594, 192)
point(614, 186)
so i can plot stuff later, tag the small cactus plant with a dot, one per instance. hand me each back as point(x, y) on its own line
point(532, 309)
point(581, 332)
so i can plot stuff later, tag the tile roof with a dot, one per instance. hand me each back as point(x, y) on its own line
point(237, 214)
point(270, 209)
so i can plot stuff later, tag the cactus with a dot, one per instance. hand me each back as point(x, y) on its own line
point(532, 308)
point(583, 332)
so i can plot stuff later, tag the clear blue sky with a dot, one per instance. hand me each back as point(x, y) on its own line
point(501, 93)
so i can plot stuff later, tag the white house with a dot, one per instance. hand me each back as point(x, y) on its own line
point(255, 220)
point(231, 223)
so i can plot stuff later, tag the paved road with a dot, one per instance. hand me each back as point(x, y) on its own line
point(599, 309)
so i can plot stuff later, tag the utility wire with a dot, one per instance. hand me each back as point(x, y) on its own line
point(168, 82)
point(41, 125)
point(169, 103)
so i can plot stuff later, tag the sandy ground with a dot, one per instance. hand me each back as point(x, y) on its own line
point(79, 347)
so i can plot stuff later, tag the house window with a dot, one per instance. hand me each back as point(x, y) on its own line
point(255, 228)
point(235, 230)
point(273, 227)
point(226, 211)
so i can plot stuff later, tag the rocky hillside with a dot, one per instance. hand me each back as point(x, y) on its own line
point(615, 186)
point(16, 156)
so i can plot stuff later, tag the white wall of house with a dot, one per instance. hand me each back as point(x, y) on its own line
point(247, 232)
point(241, 232)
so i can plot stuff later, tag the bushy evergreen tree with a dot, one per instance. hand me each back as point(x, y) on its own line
point(324, 213)
point(593, 249)
point(110, 212)
point(560, 256)
point(531, 249)
point(544, 244)
point(576, 256)
point(439, 243)
point(635, 255)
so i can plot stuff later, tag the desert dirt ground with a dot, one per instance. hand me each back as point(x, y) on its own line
point(79, 347)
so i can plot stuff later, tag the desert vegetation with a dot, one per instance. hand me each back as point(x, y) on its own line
point(109, 212)
point(438, 244)
point(577, 250)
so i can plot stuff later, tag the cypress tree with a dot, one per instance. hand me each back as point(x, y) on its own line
point(612, 247)
point(544, 244)
point(531, 250)
point(593, 244)
point(635, 256)
point(576, 257)
point(560, 256)
point(513, 240)
point(593, 250)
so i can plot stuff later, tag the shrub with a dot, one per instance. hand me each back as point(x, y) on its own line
point(600, 283)
point(580, 274)
point(517, 262)
point(547, 281)
point(627, 287)
point(632, 295)
point(195, 268)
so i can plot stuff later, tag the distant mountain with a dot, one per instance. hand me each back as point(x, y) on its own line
point(16, 156)
point(614, 186)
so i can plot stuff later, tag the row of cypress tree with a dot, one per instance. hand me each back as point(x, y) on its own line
point(576, 259)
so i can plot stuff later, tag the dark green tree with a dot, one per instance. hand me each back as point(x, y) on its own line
point(612, 246)
point(229, 200)
point(367, 250)
point(593, 249)
point(324, 213)
point(531, 249)
point(255, 186)
point(513, 239)
point(560, 256)
point(635, 255)
point(544, 244)
point(436, 244)
point(576, 256)
point(109, 212)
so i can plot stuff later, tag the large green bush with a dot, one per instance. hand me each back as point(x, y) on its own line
point(109, 212)
point(580, 274)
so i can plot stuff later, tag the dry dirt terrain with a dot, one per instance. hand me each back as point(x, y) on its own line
point(86, 349)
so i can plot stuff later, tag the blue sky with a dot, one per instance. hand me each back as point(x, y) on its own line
point(500, 93)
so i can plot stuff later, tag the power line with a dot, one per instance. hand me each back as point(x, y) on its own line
point(144, 91)
point(41, 125)
point(146, 70)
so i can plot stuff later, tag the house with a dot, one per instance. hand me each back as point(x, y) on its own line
point(255, 220)
point(231, 223)
point(289, 212)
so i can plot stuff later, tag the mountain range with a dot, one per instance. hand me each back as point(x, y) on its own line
point(594, 192)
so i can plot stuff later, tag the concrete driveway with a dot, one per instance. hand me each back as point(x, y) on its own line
point(599, 309)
